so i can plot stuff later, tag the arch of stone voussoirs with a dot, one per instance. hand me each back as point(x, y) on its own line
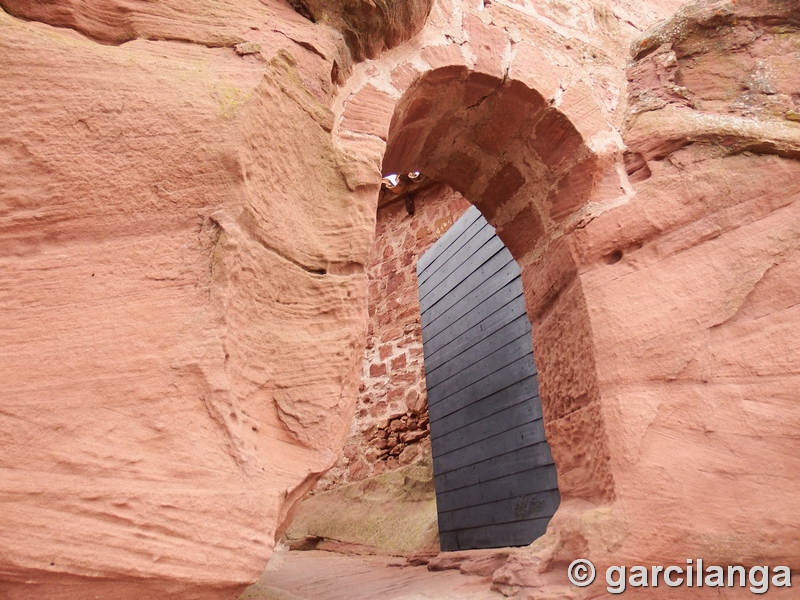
point(535, 159)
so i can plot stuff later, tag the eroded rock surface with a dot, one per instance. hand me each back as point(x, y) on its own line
point(691, 292)
point(393, 513)
point(183, 300)
point(369, 26)
point(187, 208)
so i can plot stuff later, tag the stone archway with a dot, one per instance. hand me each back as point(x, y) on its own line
point(539, 162)
point(646, 414)
point(527, 168)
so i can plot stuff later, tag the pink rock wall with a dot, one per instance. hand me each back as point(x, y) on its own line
point(390, 425)
point(690, 299)
point(666, 367)
point(188, 206)
point(183, 300)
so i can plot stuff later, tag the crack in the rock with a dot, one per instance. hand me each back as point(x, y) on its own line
point(286, 257)
point(225, 224)
point(306, 45)
point(483, 98)
point(494, 91)
point(752, 290)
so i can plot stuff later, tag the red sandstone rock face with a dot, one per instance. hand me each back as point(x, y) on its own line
point(185, 225)
point(691, 292)
point(183, 305)
point(738, 89)
point(369, 26)
point(666, 382)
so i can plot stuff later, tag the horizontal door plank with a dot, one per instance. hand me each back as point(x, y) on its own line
point(486, 369)
point(510, 510)
point(517, 332)
point(524, 390)
point(537, 479)
point(461, 263)
point(518, 460)
point(464, 316)
point(478, 286)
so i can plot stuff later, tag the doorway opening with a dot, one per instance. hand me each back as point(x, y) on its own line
point(499, 145)
point(496, 484)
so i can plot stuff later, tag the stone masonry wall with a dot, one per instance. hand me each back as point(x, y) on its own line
point(390, 426)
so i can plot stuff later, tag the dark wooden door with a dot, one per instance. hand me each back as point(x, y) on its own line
point(496, 484)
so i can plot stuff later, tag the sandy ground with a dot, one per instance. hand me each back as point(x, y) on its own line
point(317, 575)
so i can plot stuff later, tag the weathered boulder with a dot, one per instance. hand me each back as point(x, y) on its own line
point(392, 513)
